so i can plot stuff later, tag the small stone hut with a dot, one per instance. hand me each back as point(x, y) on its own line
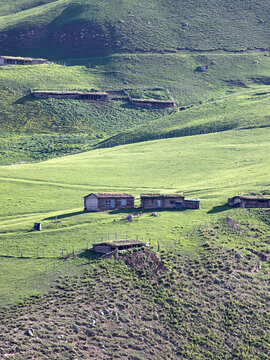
point(249, 201)
point(121, 245)
point(108, 201)
point(154, 103)
point(12, 60)
point(168, 201)
point(78, 95)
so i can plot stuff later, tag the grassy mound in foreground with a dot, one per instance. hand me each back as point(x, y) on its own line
point(199, 306)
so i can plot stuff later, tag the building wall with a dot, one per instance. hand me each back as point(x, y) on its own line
point(102, 205)
point(249, 203)
point(151, 203)
point(103, 249)
point(91, 203)
point(153, 104)
point(188, 204)
point(256, 203)
point(169, 203)
point(2, 61)
point(172, 203)
point(45, 95)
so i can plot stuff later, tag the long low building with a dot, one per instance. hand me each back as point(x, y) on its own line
point(154, 103)
point(168, 201)
point(249, 201)
point(13, 60)
point(79, 95)
point(114, 246)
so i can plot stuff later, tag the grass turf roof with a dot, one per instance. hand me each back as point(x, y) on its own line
point(162, 195)
point(121, 243)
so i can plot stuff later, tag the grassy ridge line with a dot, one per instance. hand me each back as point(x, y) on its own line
point(249, 109)
point(98, 28)
point(33, 16)
point(15, 6)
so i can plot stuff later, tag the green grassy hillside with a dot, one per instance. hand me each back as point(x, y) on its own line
point(65, 28)
point(144, 306)
point(193, 299)
point(211, 167)
point(35, 129)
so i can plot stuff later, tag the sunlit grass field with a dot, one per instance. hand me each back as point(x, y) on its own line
point(211, 167)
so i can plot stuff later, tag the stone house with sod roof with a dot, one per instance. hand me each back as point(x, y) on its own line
point(108, 201)
point(114, 246)
point(249, 201)
point(77, 95)
point(13, 60)
point(154, 103)
point(168, 201)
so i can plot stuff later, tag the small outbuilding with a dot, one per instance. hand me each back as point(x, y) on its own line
point(13, 60)
point(168, 201)
point(115, 246)
point(249, 201)
point(108, 201)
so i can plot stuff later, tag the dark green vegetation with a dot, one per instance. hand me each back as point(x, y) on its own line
point(84, 28)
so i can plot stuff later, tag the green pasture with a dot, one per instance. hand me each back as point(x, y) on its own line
point(232, 93)
point(211, 167)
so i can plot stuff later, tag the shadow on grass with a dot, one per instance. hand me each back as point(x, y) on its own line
point(90, 255)
point(24, 99)
point(63, 216)
point(219, 208)
point(145, 211)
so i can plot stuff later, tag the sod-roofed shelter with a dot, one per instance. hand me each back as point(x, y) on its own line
point(78, 95)
point(108, 201)
point(249, 201)
point(121, 245)
point(168, 201)
point(13, 60)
